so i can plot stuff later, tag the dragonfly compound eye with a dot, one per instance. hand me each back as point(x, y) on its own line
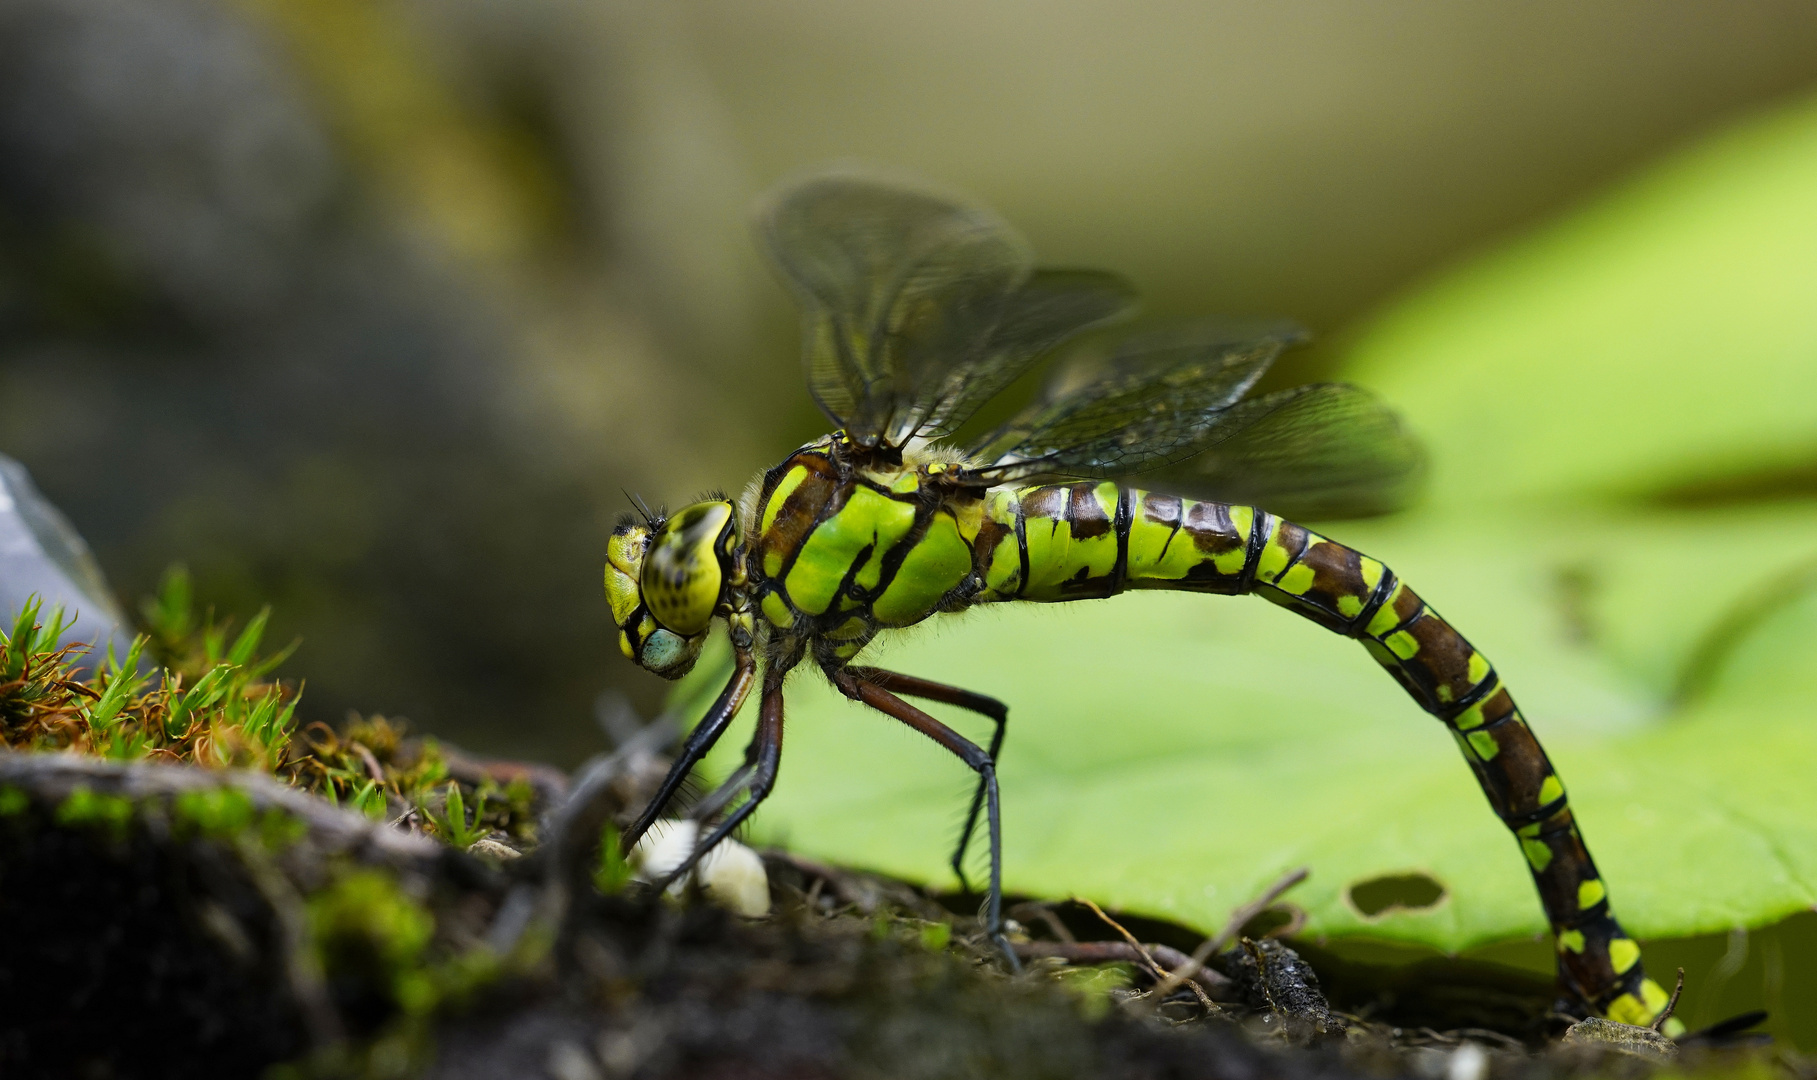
point(682, 572)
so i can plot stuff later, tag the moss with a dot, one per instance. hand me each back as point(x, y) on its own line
point(196, 689)
point(86, 808)
point(223, 813)
point(212, 812)
point(13, 801)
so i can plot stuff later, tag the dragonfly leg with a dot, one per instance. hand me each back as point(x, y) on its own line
point(705, 734)
point(757, 777)
point(854, 684)
point(983, 705)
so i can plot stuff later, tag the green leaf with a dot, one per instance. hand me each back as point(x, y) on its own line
point(123, 683)
point(1662, 337)
point(247, 643)
point(208, 690)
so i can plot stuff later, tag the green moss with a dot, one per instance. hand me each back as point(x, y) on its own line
point(367, 928)
point(195, 689)
point(86, 808)
point(611, 873)
point(213, 812)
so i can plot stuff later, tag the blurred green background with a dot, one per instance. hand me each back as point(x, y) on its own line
point(369, 310)
point(374, 310)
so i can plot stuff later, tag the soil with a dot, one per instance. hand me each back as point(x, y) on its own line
point(151, 926)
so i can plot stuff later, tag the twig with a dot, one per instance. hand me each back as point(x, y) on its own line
point(1038, 910)
point(1232, 927)
point(1659, 1022)
point(1141, 949)
point(373, 768)
point(1161, 974)
point(1111, 952)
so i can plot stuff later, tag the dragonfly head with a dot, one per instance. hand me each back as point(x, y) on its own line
point(665, 578)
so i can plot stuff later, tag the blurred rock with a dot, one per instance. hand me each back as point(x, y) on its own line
point(42, 555)
point(221, 344)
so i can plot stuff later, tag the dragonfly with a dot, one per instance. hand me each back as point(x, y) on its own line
point(918, 308)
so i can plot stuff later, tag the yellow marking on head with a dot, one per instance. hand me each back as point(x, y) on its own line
point(784, 488)
point(1550, 789)
point(1571, 941)
point(1539, 856)
point(1590, 894)
point(621, 593)
point(624, 563)
point(1350, 606)
point(1385, 618)
point(1402, 644)
point(1484, 744)
point(777, 612)
point(624, 646)
point(1624, 953)
point(1478, 668)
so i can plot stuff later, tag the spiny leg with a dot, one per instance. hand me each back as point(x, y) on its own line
point(705, 734)
point(853, 684)
point(983, 705)
point(758, 775)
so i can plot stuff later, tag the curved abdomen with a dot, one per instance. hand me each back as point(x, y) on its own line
point(1076, 541)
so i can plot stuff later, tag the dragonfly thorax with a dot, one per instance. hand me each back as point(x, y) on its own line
point(842, 542)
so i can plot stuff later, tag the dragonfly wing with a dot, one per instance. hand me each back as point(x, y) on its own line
point(917, 306)
point(1323, 451)
point(1157, 400)
point(1052, 307)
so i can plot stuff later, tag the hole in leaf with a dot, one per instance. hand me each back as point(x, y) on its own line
point(1408, 892)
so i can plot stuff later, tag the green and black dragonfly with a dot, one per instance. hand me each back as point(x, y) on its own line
point(919, 307)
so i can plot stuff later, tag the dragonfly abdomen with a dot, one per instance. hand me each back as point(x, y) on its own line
point(1075, 541)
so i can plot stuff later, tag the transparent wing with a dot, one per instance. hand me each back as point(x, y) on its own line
point(1051, 308)
point(1323, 451)
point(917, 306)
point(1157, 400)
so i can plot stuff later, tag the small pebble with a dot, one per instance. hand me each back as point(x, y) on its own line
point(732, 875)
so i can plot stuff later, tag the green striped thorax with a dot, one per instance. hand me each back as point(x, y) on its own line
point(666, 579)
